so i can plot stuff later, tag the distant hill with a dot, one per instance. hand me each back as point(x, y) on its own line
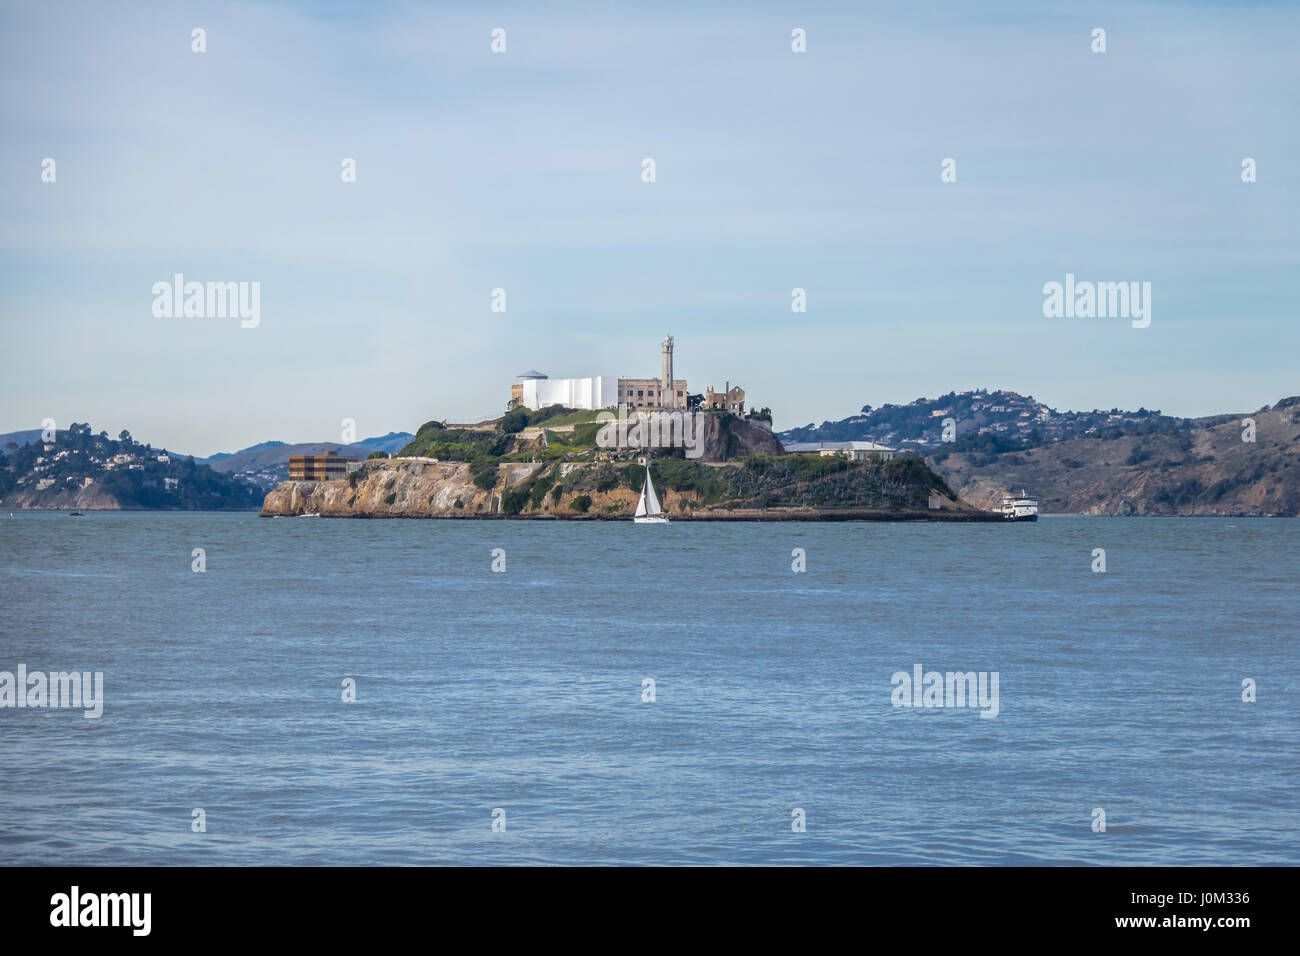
point(389, 443)
point(223, 455)
point(12, 441)
point(84, 471)
point(264, 465)
point(1200, 467)
point(267, 463)
point(1091, 462)
point(918, 426)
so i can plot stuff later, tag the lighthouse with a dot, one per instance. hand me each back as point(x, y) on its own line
point(666, 387)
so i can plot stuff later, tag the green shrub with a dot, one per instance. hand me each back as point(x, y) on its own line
point(390, 499)
point(515, 422)
point(581, 503)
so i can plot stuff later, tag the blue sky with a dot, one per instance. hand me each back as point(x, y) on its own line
point(521, 170)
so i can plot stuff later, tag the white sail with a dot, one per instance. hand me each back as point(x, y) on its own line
point(648, 510)
point(651, 501)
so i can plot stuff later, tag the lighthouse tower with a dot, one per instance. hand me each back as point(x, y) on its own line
point(666, 385)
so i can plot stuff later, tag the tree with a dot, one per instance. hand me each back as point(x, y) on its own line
point(124, 436)
point(516, 421)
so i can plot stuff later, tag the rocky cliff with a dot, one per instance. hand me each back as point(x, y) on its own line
point(426, 488)
point(727, 437)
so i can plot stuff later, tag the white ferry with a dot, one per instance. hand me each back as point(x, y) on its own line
point(1019, 509)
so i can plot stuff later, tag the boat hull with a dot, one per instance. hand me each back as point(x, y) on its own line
point(651, 519)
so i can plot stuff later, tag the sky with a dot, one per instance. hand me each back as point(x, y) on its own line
point(522, 171)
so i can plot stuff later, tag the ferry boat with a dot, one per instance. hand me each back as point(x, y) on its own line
point(1019, 509)
point(648, 510)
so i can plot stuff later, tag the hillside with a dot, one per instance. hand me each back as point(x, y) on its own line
point(1199, 467)
point(918, 426)
point(83, 471)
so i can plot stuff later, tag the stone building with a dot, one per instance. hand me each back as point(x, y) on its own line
point(663, 392)
point(730, 399)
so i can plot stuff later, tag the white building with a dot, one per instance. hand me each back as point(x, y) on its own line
point(538, 391)
point(854, 450)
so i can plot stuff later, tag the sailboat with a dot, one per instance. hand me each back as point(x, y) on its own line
point(647, 509)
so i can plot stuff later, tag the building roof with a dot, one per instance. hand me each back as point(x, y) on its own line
point(532, 373)
point(835, 445)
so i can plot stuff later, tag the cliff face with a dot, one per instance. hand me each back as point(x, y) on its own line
point(727, 437)
point(391, 488)
point(1206, 470)
point(424, 488)
point(93, 498)
point(406, 488)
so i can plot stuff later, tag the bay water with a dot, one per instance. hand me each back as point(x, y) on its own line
point(525, 691)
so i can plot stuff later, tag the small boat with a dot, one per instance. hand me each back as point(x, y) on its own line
point(1019, 509)
point(76, 514)
point(310, 514)
point(647, 509)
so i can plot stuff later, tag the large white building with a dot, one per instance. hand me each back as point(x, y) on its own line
point(854, 450)
point(535, 390)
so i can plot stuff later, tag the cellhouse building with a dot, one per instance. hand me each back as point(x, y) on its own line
point(535, 389)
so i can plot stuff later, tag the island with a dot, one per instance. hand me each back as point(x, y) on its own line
point(550, 463)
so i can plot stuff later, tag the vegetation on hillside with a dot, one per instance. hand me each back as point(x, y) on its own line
point(565, 438)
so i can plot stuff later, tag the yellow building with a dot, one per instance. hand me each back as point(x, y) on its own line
point(662, 392)
point(651, 393)
point(330, 466)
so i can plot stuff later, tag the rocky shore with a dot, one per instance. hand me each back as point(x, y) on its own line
point(582, 491)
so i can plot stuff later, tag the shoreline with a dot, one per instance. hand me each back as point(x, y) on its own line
point(739, 515)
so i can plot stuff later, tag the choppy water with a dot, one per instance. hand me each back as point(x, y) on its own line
point(522, 690)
